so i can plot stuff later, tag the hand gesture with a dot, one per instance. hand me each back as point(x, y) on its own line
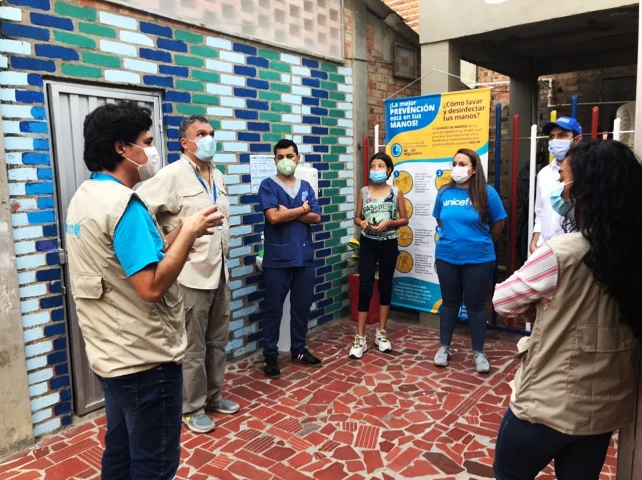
point(199, 223)
point(306, 206)
point(365, 225)
point(382, 227)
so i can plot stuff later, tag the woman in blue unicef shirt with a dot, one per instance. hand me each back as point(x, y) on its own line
point(470, 217)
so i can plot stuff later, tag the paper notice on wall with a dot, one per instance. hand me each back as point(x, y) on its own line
point(261, 167)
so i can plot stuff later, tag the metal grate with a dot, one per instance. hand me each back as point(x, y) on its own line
point(404, 62)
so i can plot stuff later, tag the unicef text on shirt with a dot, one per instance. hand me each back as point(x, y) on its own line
point(457, 203)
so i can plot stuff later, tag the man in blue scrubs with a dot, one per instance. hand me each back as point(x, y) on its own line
point(290, 207)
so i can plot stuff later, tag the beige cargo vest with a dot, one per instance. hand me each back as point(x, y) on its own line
point(576, 375)
point(123, 334)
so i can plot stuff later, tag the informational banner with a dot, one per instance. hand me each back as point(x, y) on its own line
point(422, 136)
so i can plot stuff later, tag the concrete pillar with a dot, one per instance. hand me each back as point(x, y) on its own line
point(358, 59)
point(445, 57)
point(16, 430)
point(440, 57)
point(523, 101)
point(629, 461)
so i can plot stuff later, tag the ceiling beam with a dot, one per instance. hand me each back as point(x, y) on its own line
point(626, 55)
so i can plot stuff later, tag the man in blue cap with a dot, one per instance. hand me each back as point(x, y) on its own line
point(562, 133)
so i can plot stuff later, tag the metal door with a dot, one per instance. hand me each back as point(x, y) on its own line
point(68, 105)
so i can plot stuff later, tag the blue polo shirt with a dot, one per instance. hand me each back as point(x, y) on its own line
point(287, 244)
point(137, 242)
point(463, 239)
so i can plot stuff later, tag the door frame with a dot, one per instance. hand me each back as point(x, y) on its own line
point(53, 89)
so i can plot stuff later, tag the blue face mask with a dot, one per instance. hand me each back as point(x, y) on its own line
point(206, 148)
point(378, 176)
point(559, 204)
point(559, 148)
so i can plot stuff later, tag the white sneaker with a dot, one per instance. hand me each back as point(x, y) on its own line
point(442, 357)
point(481, 363)
point(381, 341)
point(359, 347)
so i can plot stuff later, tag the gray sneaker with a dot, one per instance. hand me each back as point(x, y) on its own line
point(481, 363)
point(442, 357)
point(199, 423)
point(223, 405)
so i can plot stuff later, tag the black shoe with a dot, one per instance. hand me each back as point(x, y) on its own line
point(306, 358)
point(271, 368)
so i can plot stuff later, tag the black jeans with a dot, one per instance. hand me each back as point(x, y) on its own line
point(386, 252)
point(143, 410)
point(524, 449)
point(470, 284)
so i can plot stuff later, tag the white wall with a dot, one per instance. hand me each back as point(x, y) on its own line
point(444, 20)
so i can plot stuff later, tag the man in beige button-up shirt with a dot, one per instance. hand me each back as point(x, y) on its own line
point(180, 189)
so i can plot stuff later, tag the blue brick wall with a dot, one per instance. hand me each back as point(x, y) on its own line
point(254, 95)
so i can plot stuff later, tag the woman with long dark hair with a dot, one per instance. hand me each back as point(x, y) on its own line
point(575, 384)
point(470, 217)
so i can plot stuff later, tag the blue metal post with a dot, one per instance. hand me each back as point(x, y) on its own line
point(574, 106)
point(498, 168)
point(498, 144)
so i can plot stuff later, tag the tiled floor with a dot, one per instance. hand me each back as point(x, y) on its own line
point(388, 417)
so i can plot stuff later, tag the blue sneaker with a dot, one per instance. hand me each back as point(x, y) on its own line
point(223, 405)
point(199, 423)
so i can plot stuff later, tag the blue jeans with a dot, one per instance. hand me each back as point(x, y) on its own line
point(524, 449)
point(143, 410)
point(470, 284)
point(299, 281)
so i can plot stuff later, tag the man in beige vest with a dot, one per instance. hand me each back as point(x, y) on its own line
point(183, 188)
point(123, 279)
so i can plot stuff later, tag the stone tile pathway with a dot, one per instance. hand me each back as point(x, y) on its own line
point(390, 416)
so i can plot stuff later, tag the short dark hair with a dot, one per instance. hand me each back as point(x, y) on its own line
point(188, 122)
point(107, 125)
point(385, 158)
point(284, 144)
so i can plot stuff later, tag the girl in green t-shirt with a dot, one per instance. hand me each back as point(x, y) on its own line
point(381, 210)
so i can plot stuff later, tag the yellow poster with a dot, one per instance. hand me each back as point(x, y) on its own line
point(422, 136)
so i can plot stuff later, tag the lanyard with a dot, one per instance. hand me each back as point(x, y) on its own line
point(202, 182)
point(200, 179)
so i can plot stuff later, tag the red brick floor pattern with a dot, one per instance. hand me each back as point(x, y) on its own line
point(390, 416)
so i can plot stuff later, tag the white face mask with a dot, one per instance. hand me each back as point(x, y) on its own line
point(460, 175)
point(152, 166)
point(206, 148)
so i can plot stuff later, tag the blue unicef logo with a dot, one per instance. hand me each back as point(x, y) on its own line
point(396, 150)
point(440, 173)
point(396, 174)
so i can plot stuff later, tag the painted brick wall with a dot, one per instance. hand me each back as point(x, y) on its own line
point(253, 95)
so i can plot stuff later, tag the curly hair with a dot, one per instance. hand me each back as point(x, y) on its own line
point(606, 195)
point(108, 124)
